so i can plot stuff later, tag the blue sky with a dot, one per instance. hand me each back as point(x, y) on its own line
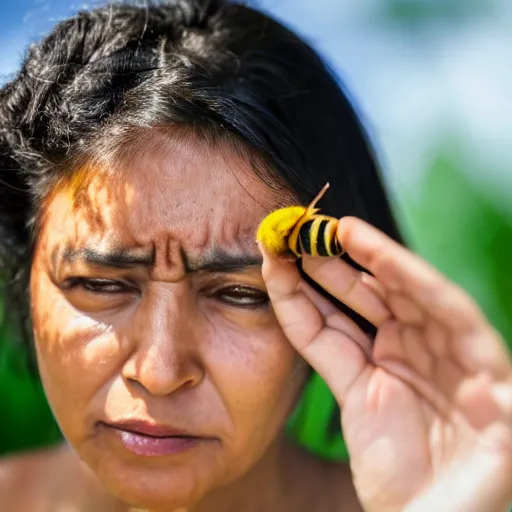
point(409, 85)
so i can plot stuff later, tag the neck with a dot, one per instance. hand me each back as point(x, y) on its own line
point(263, 487)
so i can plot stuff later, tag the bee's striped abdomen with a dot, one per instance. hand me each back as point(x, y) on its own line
point(315, 236)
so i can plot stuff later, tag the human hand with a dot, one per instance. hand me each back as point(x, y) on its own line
point(427, 407)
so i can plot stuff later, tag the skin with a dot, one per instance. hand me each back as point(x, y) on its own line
point(427, 409)
point(180, 332)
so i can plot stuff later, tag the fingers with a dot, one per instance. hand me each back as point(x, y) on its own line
point(358, 290)
point(417, 293)
point(300, 320)
point(403, 272)
point(337, 320)
point(330, 349)
point(362, 292)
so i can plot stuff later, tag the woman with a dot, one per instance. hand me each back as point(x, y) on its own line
point(141, 148)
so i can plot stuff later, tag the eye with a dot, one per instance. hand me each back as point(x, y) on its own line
point(100, 286)
point(242, 296)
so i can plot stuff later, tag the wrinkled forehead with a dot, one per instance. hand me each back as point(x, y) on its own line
point(191, 192)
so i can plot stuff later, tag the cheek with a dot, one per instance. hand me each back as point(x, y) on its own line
point(257, 372)
point(76, 354)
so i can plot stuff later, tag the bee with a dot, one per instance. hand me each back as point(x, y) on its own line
point(297, 230)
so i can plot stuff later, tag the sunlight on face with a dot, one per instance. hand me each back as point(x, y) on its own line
point(158, 350)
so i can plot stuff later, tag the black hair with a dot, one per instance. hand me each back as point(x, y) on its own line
point(211, 66)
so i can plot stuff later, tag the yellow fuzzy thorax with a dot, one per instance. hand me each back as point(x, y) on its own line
point(275, 228)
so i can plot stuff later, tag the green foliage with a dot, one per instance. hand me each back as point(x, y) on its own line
point(464, 234)
point(29, 422)
point(310, 424)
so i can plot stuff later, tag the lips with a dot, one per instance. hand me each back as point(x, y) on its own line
point(149, 439)
point(147, 428)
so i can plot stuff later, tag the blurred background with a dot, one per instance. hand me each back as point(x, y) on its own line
point(432, 80)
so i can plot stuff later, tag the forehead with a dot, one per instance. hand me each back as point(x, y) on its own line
point(188, 191)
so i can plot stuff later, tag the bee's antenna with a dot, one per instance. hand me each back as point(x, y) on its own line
point(318, 196)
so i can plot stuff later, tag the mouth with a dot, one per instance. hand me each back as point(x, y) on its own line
point(152, 439)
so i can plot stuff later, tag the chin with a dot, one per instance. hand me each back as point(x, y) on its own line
point(159, 484)
point(156, 482)
point(163, 490)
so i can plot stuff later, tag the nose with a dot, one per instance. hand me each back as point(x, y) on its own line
point(164, 337)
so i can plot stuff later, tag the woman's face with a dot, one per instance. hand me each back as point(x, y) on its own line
point(159, 353)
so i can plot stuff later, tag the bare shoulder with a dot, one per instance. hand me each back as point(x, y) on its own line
point(23, 477)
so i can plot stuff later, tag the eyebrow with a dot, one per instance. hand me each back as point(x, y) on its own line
point(220, 260)
point(217, 260)
point(117, 258)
